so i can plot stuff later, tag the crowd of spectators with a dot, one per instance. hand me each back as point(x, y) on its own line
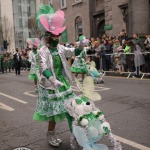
point(7, 63)
point(120, 53)
point(110, 53)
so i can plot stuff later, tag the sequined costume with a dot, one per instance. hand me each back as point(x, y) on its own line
point(50, 105)
point(33, 59)
point(79, 64)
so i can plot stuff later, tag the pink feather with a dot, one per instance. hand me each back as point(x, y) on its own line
point(44, 22)
point(29, 41)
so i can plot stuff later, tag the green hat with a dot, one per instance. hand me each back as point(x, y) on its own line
point(83, 41)
point(44, 9)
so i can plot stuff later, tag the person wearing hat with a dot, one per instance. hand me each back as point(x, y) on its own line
point(53, 89)
point(79, 64)
point(33, 59)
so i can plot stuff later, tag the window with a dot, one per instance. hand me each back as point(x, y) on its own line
point(28, 8)
point(77, 1)
point(63, 4)
point(78, 26)
point(19, 9)
point(20, 21)
point(51, 2)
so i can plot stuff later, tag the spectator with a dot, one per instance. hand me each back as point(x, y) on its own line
point(136, 39)
point(97, 54)
point(147, 42)
point(107, 60)
point(122, 37)
point(116, 44)
point(138, 57)
point(2, 63)
point(17, 61)
point(121, 59)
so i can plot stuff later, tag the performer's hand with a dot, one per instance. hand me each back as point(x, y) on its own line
point(56, 83)
point(32, 63)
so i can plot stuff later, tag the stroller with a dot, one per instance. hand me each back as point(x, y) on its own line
point(94, 73)
point(89, 125)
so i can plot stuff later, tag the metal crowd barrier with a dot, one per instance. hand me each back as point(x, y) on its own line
point(108, 63)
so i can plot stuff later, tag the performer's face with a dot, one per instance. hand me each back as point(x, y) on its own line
point(54, 36)
point(34, 47)
point(52, 40)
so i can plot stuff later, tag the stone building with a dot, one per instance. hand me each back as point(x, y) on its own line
point(17, 13)
point(95, 17)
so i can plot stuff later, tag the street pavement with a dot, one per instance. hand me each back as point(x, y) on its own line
point(125, 103)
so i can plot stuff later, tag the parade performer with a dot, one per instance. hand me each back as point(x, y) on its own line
point(33, 59)
point(53, 88)
point(79, 64)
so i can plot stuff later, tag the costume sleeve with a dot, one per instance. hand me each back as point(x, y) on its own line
point(69, 49)
point(42, 60)
point(68, 52)
point(30, 57)
point(83, 55)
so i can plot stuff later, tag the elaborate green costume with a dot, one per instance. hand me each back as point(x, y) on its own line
point(50, 106)
point(33, 58)
point(79, 64)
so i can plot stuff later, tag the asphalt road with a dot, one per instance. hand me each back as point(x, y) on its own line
point(125, 103)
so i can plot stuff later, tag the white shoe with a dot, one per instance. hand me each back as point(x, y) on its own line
point(58, 140)
point(52, 139)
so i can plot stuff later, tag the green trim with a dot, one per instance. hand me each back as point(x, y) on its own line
point(32, 77)
point(47, 73)
point(81, 37)
point(108, 27)
point(55, 118)
point(78, 70)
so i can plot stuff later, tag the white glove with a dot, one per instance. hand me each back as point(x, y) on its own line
point(55, 82)
point(33, 63)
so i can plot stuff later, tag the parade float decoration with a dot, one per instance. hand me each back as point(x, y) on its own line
point(89, 124)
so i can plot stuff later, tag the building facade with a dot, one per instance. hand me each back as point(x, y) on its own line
point(6, 10)
point(17, 12)
point(93, 18)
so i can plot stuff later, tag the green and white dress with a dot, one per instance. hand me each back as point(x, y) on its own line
point(33, 59)
point(50, 105)
point(79, 64)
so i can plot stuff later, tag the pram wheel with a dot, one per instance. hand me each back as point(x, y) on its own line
point(101, 82)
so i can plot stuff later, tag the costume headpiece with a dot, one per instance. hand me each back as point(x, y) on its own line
point(82, 41)
point(51, 21)
point(33, 41)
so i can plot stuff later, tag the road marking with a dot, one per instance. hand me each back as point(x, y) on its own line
point(131, 143)
point(103, 89)
point(116, 77)
point(29, 94)
point(13, 98)
point(99, 87)
point(6, 107)
point(74, 88)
